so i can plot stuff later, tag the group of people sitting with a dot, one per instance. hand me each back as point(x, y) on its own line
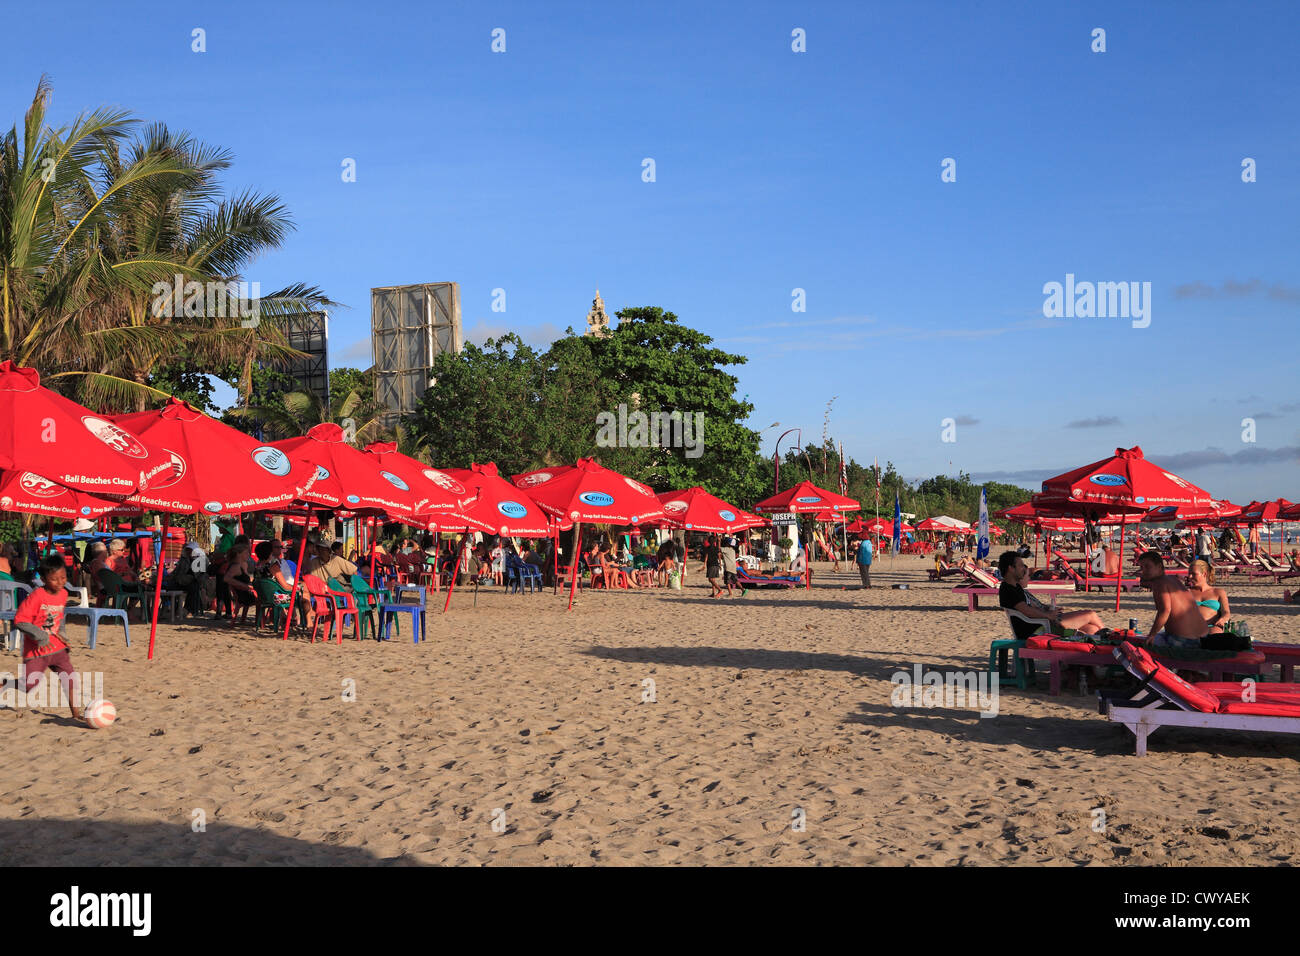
point(1188, 610)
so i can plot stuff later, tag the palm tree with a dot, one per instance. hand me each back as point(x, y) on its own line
point(89, 235)
point(297, 412)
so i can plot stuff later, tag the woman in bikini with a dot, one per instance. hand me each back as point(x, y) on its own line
point(1211, 601)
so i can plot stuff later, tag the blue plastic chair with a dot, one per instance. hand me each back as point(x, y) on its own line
point(389, 611)
point(12, 594)
point(94, 615)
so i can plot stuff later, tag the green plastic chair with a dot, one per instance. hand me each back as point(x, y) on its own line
point(267, 592)
point(119, 593)
point(368, 602)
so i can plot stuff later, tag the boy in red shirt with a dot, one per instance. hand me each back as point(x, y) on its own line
point(40, 618)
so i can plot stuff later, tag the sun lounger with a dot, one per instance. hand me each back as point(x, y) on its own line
point(1279, 571)
point(1164, 699)
point(1060, 653)
point(944, 570)
point(748, 580)
point(1285, 656)
point(981, 583)
point(1088, 580)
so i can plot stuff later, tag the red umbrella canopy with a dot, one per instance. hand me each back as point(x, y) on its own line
point(874, 526)
point(1124, 482)
point(1207, 514)
point(54, 437)
point(436, 495)
point(214, 468)
point(806, 497)
point(1258, 511)
point(696, 510)
point(1290, 513)
point(495, 506)
point(588, 491)
point(30, 493)
point(347, 476)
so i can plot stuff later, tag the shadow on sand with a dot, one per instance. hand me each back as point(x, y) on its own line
point(87, 843)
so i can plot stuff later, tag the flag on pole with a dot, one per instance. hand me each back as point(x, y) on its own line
point(982, 548)
point(877, 467)
point(898, 525)
point(844, 475)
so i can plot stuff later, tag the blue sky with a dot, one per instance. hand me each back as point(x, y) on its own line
point(778, 170)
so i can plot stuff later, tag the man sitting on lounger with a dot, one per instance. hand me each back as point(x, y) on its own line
point(1012, 594)
point(1178, 622)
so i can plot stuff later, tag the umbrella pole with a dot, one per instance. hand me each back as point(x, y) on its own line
point(372, 535)
point(573, 560)
point(49, 537)
point(293, 591)
point(460, 555)
point(1119, 575)
point(555, 557)
point(157, 595)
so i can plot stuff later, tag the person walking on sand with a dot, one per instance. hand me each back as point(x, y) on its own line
point(862, 557)
point(712, 568)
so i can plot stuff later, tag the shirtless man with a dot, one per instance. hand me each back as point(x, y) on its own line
point(1178, 621)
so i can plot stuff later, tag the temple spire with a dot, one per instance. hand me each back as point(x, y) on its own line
point(597, 320)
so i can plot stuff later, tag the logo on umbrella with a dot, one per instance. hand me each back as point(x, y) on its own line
point(726, 515)
point(597, 499)
point(1107, 479)
point(213, 507)
point(512, 509)
point(170, 475)
point(272, 459)
point(6, 502)
point(444, 481)
point(353, 500)
point(39, 487)
point(321, 473)
point(395, 481)
point(85, 509)
point(808, 500)
point(114, 436)
point(538, 478)
point(675, 507)
point(637, 486)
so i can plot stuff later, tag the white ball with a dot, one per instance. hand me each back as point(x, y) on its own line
point(101, 713)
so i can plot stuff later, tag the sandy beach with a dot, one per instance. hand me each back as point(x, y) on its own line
point(517, 734)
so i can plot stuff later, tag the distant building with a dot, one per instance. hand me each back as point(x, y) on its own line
point(309, 333)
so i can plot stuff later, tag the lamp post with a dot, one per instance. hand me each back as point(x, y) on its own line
point(776, 460)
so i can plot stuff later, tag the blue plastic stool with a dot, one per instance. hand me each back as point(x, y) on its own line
point(388, 612)
point(93, 616)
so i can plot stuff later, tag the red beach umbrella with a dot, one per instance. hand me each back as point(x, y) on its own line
point(804, 498)
point(588, 491)
point(215, 469)
point(435, 493)
point(52, 436)
point(1126, 481)
point(348, 477)
point(493, 505)
point(696, 510)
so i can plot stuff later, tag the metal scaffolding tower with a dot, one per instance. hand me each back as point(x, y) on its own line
point(409, 326)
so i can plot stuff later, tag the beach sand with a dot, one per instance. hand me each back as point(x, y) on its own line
point(517, 734)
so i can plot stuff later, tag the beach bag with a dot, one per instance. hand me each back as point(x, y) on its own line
point(675, 579)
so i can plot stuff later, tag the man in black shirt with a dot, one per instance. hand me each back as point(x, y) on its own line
point(1012, 595)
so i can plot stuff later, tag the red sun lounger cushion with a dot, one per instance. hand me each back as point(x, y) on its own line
point(1271, 693)
point(1187, 694)
point(1260, 708)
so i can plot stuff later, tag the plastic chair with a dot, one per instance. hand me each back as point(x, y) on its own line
point(388, 612)
point(368, 602)
point(12, 594)
point(268, 599)
point(94, 615)
point(334, 607)
point(118, 591)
